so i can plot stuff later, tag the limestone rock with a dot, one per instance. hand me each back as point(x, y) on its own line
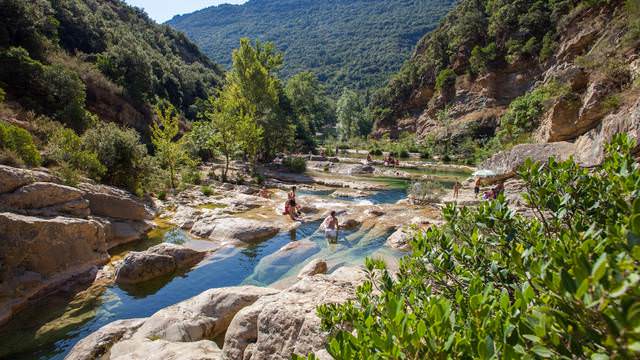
point(315, 266)
point(506, 163)
point(399, 240)
point(12, 178)
point(159, 260)
point(147, 349)
point(39, 195)
point(100, 342)
point(234, 229)
point(38, 253)
point(204, 316)
point(277, 326)
point(142, 266)
point(115, 203)
point(590, 146)
point(121, 231)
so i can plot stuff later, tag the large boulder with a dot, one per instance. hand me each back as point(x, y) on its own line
point(277, 326)
point(234, 229)
point(38, 254)
point(506, 163)
point(98, 344)
point(115, 203)
point(159, 260)
point(39, 195)
point(204, 316)
point(12, 178)
point(125, 231)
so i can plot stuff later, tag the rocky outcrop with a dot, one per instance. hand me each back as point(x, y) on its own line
point(590, 146)
point(183, 331)
point(98, 344)
point(234, 229)
point(38, 254)
point(52, 233)
point(277, 326)
point(314, 267)
point(505, 163)
point(115, 203)
point(162, 259)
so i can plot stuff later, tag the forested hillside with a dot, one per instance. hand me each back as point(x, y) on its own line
point(72, 59)
point(347, 43)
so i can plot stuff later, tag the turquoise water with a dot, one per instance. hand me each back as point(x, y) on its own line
point(256, 264)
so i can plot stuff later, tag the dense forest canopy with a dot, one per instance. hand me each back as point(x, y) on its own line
point(354, 43)
point(52, 50)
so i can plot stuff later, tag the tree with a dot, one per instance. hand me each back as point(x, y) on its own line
point(226, 118)
point(255, 92)
point(311, 106)
point(352, 117)
point(164, 131)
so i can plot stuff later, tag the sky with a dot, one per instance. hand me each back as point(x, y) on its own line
point(163, 10)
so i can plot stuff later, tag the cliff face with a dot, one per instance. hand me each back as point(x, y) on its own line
point(590, 53)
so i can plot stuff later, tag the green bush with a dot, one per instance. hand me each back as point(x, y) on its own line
point(375, 151)
point(121, 152)
point(16, 141)
point(491, 283)
point(481, 58)
point(445, 79)
point(295, 164)
point(2, 95)
point(67, 150)
point(206, 190)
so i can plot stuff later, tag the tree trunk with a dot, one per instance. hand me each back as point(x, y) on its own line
point(226, 167)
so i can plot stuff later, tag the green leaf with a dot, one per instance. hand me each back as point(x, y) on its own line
point(542, 351)
point(599, 268)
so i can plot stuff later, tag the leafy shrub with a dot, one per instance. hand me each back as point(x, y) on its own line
point(121, 152)
point(549, 46)
point(492, 283)
point(481, 57)
point(425, 192)
point(403, 153)
point(67, 150)
point(295, 164)
point(16, 141)
point(162, 195)
point(445, 79)
point(206, 190)
point(2, 95)
point(375, 152)
point(611, 103)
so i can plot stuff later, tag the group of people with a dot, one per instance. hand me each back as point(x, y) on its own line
point(292, 209)
point(490, 194)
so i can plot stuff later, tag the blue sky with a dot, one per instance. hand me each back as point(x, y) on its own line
point(163, 10)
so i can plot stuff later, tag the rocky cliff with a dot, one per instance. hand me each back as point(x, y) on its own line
point(537, 71)
point(52, 233)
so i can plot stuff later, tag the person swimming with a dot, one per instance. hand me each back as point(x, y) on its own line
point(330, 226)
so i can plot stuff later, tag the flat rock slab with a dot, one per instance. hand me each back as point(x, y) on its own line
point(234, 229)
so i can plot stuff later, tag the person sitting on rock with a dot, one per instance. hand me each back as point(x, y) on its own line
point(330, 226)
point(498, 190)
point(291, 209)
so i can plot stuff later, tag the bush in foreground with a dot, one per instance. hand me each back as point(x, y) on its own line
point(495, 284)
point(17, 146)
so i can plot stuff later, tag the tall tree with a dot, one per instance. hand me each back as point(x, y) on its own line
point(311, 106)
point(164, 131)
point(352, 117)
point(257, 92)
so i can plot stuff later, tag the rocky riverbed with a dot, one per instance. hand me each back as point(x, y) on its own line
point(219, 272)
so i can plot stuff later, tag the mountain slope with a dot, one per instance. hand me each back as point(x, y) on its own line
point(505, 73)
point(61, 58)
point(353, 43)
